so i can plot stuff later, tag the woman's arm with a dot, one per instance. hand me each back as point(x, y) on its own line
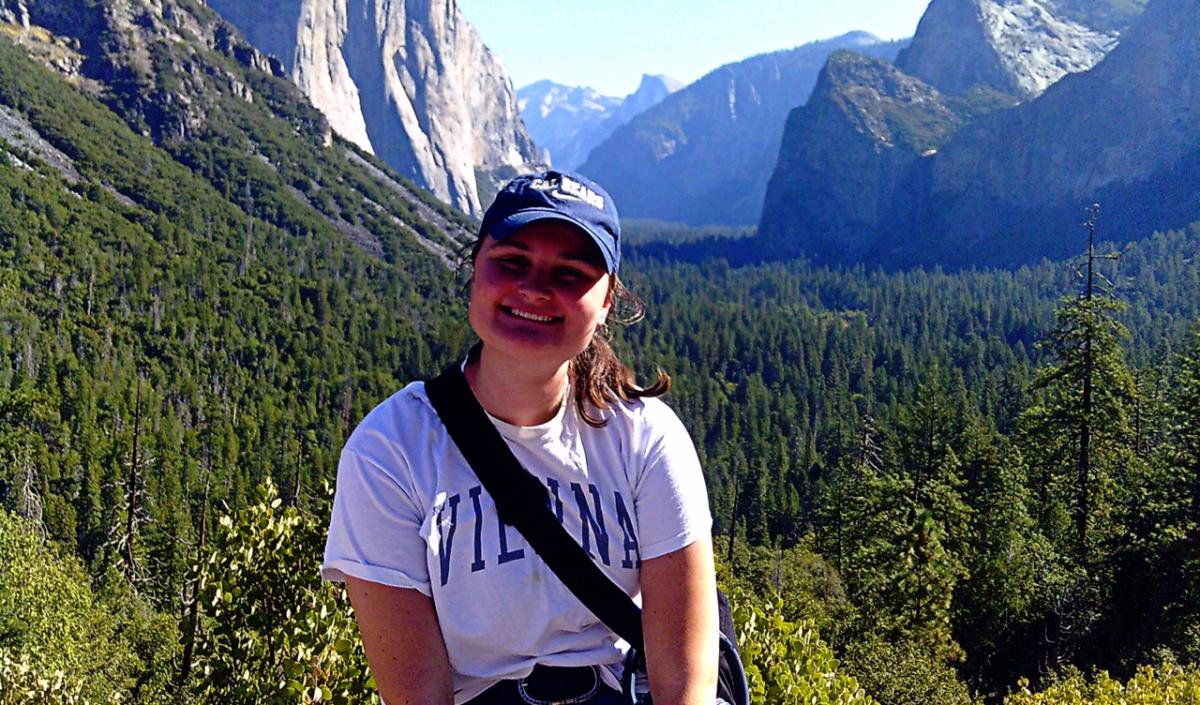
point(679, 618)
point(403, 643)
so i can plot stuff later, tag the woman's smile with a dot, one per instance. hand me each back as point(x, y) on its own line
point(527, 315)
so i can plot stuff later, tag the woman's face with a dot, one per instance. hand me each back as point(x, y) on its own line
point(539, 294)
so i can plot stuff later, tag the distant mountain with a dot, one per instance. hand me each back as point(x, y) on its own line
point(567, 122)
point(704, 154)
point(1002, 187)
point(407, 80)
point(1013, 46)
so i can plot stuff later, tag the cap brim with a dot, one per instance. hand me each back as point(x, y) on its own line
point(506, 227)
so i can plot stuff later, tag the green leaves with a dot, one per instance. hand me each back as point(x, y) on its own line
point(786, 662)
point(1168, 684)
point(271, 630)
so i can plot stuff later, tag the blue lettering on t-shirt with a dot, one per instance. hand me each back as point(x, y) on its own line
point(507, 556)
point(630, 544)
point(558, 507)
point(593, 528)
point(478, 564)
point(446, 545)
point(593, 521)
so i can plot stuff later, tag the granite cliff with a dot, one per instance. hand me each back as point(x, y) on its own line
point(1013, 46)
point(705, 153)
point(176, 72)
point(407, 80)
point(851, 153)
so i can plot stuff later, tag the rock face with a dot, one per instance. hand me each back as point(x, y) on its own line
point(1013, 46)
point(408, 80)
point(115, 46)
point(1009, 186)
point(652, 90)
point(850, 155)
point(704, 154)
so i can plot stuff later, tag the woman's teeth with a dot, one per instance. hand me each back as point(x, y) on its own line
point(530, 316)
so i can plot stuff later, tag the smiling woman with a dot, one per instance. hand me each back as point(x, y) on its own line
point(455, 606)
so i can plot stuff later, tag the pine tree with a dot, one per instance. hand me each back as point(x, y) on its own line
point(1079, 430)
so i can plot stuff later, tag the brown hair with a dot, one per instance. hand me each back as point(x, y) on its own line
point(598, 377)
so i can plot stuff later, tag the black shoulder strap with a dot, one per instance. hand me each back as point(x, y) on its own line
point(524, 503)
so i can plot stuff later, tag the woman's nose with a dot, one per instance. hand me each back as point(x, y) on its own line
point(534, 285)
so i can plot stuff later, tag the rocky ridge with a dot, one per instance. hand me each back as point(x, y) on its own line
point(851, 152)
point(177, 72)
point(705, 153)
point(407, 80)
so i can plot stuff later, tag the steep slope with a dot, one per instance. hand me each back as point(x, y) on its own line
point(1002, 189)
point(850, 154)
point(177, 72)
point(567, 123)
point(407, 80)
point(1013, 46)
point(222, 309)
point(704, 155)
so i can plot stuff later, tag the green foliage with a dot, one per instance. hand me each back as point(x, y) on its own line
point(1079, 429)
point(811, 589)
point(22, 683)
point(905, 673)
point(786, 662)
point(1169, 684)
point(108, 645)
point(272, 632)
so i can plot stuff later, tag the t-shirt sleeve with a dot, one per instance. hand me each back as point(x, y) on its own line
point(374, 531)
point(671, 501)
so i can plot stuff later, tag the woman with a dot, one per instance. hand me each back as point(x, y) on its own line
point(452, 604)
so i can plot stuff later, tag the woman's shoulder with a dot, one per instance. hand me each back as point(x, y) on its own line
point(397, 421)
point(645, 416)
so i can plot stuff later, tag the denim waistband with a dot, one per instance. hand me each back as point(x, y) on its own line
point(551, 685)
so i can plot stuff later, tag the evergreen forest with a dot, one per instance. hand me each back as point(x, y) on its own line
point(928, 487)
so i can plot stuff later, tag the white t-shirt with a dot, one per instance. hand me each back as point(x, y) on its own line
point(410, 512)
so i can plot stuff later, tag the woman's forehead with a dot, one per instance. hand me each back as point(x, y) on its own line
point(553, 238)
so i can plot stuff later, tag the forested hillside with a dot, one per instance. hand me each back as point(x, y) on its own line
point(956, 480)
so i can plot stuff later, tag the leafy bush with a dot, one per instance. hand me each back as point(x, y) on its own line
point(1168, 684)
point(272, 631)
point(905, 673)
point(61, 642)
point(21, 683)
point(786, 662)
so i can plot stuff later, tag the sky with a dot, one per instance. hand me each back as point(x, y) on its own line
point(609, 44)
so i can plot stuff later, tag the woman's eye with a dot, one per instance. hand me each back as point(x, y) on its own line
point(511, 263)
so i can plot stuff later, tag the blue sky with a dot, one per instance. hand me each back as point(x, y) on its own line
point(609, 44)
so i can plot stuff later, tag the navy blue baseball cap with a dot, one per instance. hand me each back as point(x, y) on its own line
point(557, 195)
